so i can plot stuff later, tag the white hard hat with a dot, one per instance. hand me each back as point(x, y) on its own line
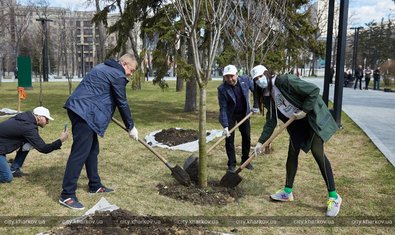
point(230, 69)
point(258, 71)
point(42, 111)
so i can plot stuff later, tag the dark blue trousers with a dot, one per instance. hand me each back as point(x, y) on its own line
point(84, 150)
point(245, 140)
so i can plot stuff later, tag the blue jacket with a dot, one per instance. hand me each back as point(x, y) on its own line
point(227, 99)
point(99, 93)
point(22, 129)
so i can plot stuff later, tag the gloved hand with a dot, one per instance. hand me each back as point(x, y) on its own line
point(255, 110)
point(258, 149)
point(134, 134)
point(300, 115)
point(27, 147)
point(226, 132)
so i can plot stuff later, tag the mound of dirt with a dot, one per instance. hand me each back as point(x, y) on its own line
point(212, 195)
point(125, 222)
point(172, 136)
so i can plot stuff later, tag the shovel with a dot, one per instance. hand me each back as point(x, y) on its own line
point(192, 162)
point(232, 179)
point(176, 171)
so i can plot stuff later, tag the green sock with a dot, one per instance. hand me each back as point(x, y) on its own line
point(288, 190)
point(333, 194)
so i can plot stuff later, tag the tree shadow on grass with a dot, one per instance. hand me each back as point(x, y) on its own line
point(147, 113)
point(50, 179)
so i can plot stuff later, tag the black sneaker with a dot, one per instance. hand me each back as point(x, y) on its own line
point(18, 173)
point(250, 167)
point(232, 169)
point(102, 189)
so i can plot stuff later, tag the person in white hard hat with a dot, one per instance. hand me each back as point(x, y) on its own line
point(285, 96)
point(21, 132)
point(234, 105)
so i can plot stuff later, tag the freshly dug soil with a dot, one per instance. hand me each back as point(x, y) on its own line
point(125, 222)
point(172, 136)
point(214, 194)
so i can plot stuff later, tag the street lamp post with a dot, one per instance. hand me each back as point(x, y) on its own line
point(45, 47)
point(355, 49)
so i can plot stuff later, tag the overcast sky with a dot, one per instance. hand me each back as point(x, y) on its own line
point(360, 11)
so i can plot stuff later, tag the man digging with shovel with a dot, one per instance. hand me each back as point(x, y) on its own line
point(90, 109)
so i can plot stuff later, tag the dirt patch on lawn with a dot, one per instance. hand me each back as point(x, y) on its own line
point(213, 195)
point(125, 222)
point(172, 136)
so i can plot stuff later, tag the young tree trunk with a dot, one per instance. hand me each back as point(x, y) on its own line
point(202, 138)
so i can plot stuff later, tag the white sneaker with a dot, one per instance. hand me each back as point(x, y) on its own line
point(333, 206)
point(281, 195)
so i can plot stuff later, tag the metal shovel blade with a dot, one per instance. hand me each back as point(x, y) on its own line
point(190, 161)
point(180, 175)
point(191, 166)
point(231, 179)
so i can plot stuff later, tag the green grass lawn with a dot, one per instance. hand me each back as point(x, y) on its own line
point(363, 176)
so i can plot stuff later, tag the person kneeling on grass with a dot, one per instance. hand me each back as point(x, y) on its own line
point(286, 96)
point(21, 131)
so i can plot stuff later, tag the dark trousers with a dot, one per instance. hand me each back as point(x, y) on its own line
point(367, 81)
point(19, 160)
point(84, 150)
point(245, 140)
point(299, 131)
point(356, 82)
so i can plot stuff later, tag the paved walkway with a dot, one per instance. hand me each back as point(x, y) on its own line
point(373, 111)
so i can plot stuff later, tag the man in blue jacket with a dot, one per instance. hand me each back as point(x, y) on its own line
point(234, 105)
point(90, 109)
point(21, 132)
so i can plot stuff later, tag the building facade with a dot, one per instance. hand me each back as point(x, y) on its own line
point(74, 43)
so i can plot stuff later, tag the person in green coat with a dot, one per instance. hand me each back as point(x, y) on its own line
point(285, 96)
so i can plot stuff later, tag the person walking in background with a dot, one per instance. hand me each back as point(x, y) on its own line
point(358, 77)
point(90, 108)
point(376, 78)
point(331, 74)
point(21, 131)
point(368, 74)
point(285, 96)
point(234, 105)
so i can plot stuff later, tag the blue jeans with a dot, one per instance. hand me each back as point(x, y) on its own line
point(5, 172)
point(376, 84)
point(19, 160)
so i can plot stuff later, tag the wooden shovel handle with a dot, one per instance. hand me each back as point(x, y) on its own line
point(231, 130)
point(267, 142)
point(143, 143)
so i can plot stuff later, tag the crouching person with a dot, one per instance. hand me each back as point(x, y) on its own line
point(21, 132)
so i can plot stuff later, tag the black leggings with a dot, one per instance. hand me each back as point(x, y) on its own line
point(300, 131)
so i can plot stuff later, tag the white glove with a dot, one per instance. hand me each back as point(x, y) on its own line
point(226, 132)
point(258, 149)
point(300, 115)
point(27, 147)
point(255, 110)
point(134, 134)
